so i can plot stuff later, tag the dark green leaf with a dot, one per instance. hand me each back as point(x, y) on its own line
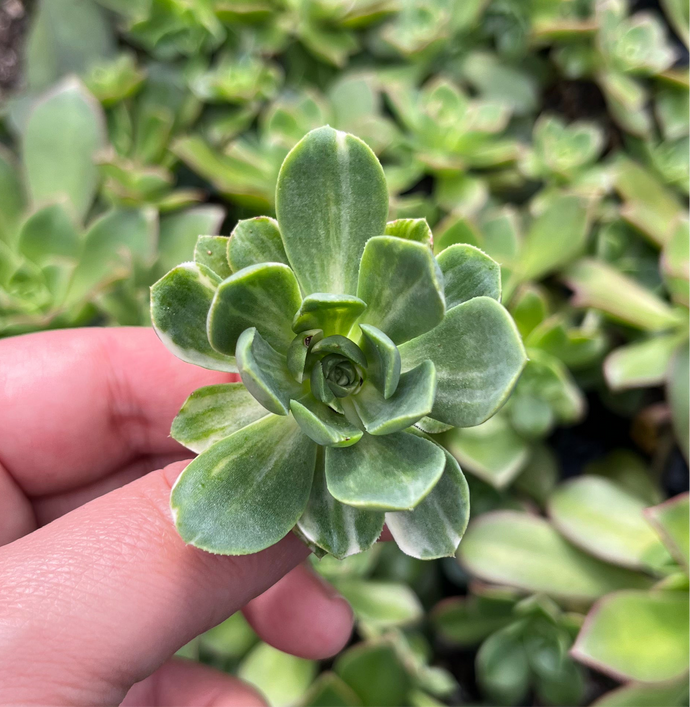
point(323, 425)
point(383, 358)
point(337, 344)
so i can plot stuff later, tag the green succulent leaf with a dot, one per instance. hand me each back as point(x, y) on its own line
point(478, 357)
point(525, 551)
point(411, 229)
point(635, 635)
point(394, 472)
point(48, 233)
point(638, 694)
point(299, 350)
point(381, 605)
point(679, 398)
point(337, 528)
point(180, 302)
point(467, 273)
point(383, 358)
point(670, 520)
point(333, 314)
point(608, 522)
point(436, 525)
point(212, 251)
point(247, 491)
point(403, 287)
point(265, 296)
point(319, 385)
point(331, 199)
point(256, 240)
point(643, 363)
point(214, 412)
point(322, 424)
point(412, 400)
point(503, 669)
point(62, 133)
point(341, 345)
point(264, 372)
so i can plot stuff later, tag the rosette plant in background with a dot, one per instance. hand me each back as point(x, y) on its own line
point(352, 341)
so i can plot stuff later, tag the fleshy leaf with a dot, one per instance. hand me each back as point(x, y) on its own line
point(265, 296)
point(411, 229)
point(493, 451)
point(47, 233)
point(212, 251)
point(214, 412)
point(334, 314)
point(246, 492)
point(436, 525)
point(467, 273)
point(337, 344)
point(412, 400)
point(299, 350)
point(179, 308)
point(339, 529)
point(606, 521)
point(633, 635)
point(641, 364)
point(478, 357)
point(524, 551)
point(256, 240)
point(264, 372)
point(383, 358)
point(319, 387)
point(381, 605)
point(601, 286)
point(331, 199)
point(678, 397)
point(403, 287)
point(62, 133)
point(393, 472)
point(670, 520)
point(323, 425)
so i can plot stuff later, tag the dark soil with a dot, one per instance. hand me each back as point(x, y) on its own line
point(13, 24)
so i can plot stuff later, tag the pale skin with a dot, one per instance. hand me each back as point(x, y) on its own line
point(97, 590)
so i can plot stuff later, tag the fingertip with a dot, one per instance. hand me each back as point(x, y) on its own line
point(303, 615)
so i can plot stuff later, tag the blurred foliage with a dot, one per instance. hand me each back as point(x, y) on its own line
point(553, 135)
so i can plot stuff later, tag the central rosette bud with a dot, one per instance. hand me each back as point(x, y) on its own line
point(341, 375)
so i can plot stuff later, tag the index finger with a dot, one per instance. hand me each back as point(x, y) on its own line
point(77, 404)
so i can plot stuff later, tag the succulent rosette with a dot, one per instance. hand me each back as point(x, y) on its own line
point(352, 341)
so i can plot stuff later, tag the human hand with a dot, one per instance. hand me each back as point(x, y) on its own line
point(97, 589)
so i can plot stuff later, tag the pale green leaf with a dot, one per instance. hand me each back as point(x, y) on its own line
point(411, 229)
point(634, 635)
point(179, 308)
point(381, 605)
point(524, 551)
point(431, 426)
point(503, 670)
point(247, 491)
point(677, 389)
point(333, 314)
point(412, 400)
point(478, 357)
point(12, 204)
point(256, 240)
point(212, 251)
point(555, 237)
point(436, 525)
point(642, 364)
point(383, 359)
point(329, 690)
point(606, 521)
point(403, 287)
point(331, 199)
point(670, 520)
point(675, 263)
point(493, 451)
point(670, 694)
point(322, 424)
point(393, 472)
point(337, 344)
point(214, 412)
point(63, 131)
point(179, 232)
point(281, 678)
point(299, 350)
point(264, 372)
point(601, 286)
point(467, 273)
point(48, 233)
point(339, 529)
point(265, 296)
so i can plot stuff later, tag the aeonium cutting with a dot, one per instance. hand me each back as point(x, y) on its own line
point(352, 342)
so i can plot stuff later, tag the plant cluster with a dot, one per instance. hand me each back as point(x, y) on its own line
point(533, 167)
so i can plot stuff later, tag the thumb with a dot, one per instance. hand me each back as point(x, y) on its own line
point(101, 597)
